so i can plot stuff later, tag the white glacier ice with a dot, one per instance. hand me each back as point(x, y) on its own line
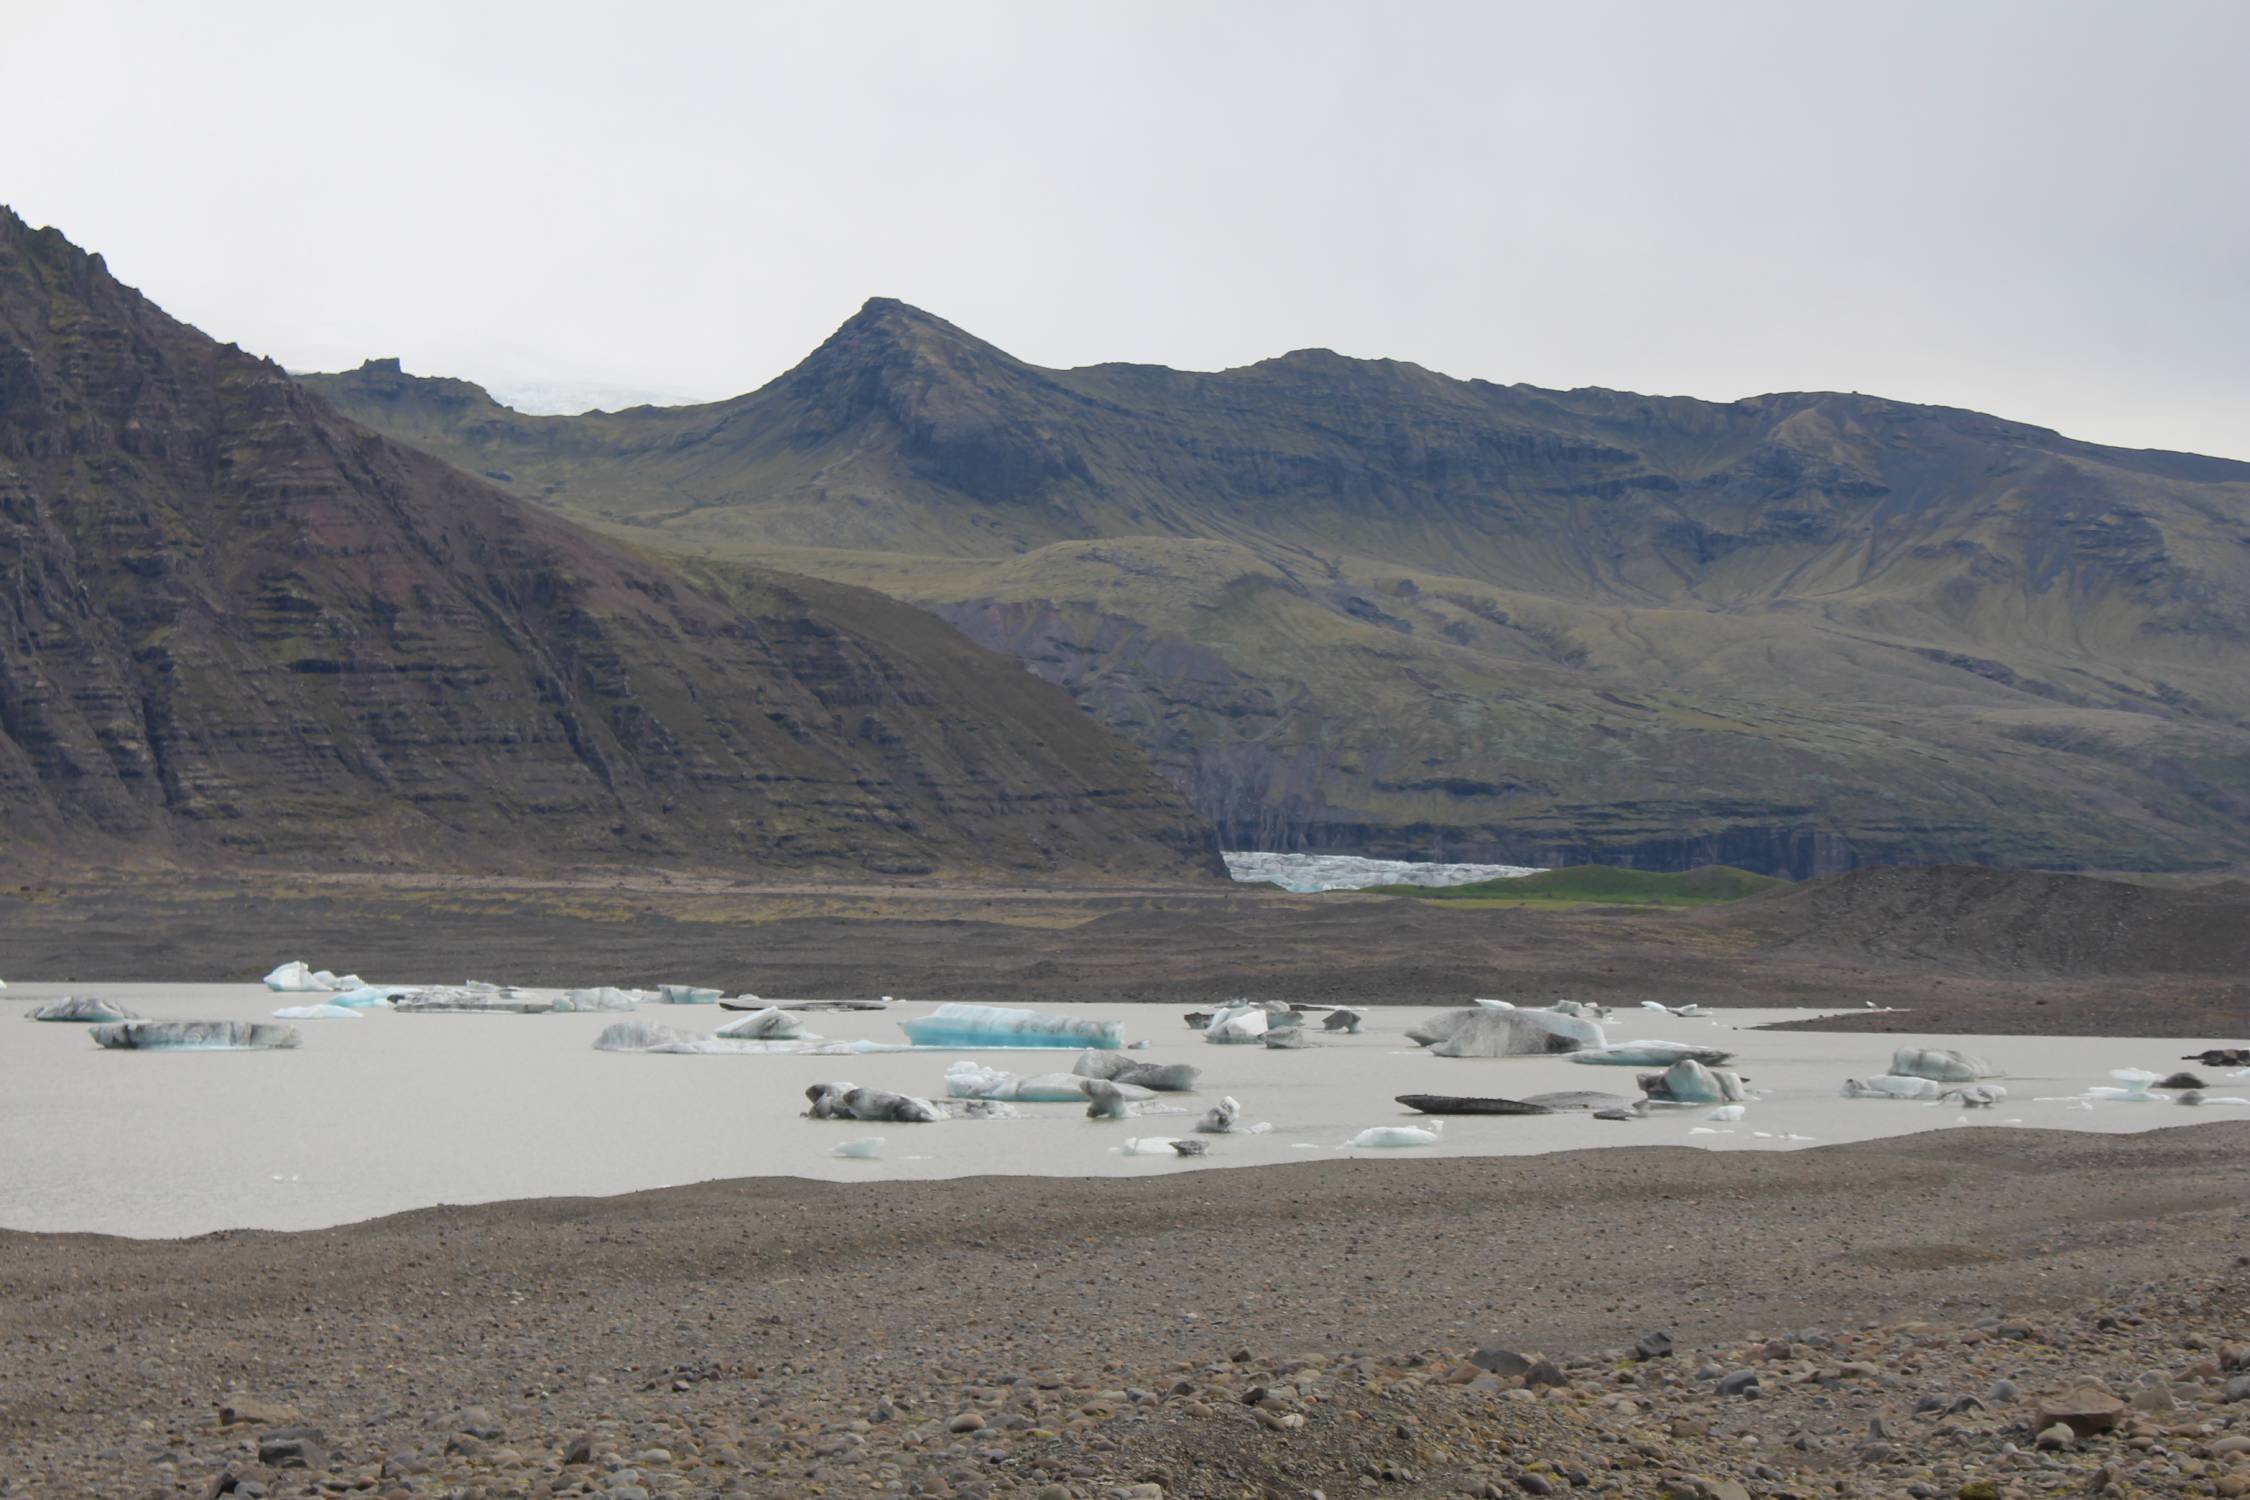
point(993, 1026)
point(1309, 873)
point(686, 994)
point(1234, 1025)
point(293, 978)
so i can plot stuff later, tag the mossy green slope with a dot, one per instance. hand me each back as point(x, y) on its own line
point(1356, 604)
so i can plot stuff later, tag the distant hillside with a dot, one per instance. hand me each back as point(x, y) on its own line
point(236, 625)
point(1355, 604)
point(2010, 921)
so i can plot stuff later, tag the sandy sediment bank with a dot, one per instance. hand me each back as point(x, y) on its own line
point(738, 1331)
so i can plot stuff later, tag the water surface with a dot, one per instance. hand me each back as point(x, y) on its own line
point(392, 1112)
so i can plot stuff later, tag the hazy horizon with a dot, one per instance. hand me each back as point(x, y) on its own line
point(2031, 210)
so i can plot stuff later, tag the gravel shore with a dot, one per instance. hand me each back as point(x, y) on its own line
point(1903, 1317)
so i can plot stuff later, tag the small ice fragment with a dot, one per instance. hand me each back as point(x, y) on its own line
point(687, 994)
point(316, 1013)
point(1150, 1145)
point(1941, 1065)
point(1727, 1112)
point(1890, 1086)
point(81, 1008)
point(862, 1149)
point(1398, 1135)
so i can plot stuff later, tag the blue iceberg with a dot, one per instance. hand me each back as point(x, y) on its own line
point(958, 1025)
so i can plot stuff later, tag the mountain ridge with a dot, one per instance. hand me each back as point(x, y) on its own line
point(1360, 604)
point(237, 625)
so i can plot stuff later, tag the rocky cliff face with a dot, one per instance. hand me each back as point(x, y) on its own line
point(1353, 603)
point(235, 624)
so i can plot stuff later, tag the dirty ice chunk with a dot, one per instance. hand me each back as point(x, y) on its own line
point(196, 1036)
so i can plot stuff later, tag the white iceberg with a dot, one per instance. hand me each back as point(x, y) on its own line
point(993, 1026)
point(293, 978)
point(472, 999)
point(1941, 1065)
point(1650, 1054)
point(973, 1080)
point(1399, 1135)
point(1489, 1031)
point(686, 994)
point(1235, 1025)
point(771, 1024)
point(367, 995)
point(647, 1036)
point(196, 1036)
point(1892, 1086)
point(82, 1008)
point(317, 1013)
point(601, 997)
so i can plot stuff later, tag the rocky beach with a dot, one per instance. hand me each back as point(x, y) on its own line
point(1990, 1313)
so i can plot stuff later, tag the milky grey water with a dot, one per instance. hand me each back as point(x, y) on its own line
point(391, 1112)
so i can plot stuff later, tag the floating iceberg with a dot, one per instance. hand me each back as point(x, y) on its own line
point(1285, 1038)
point(1235, 1025)
point(1977, 1095)
point(1647, 1054)
point(1942, 1065)
point(1163, 1145)
point(647, 1036)
point(81, 1008)
point(1581, 1099)
point(958, 1025)
point(1221, 1119)
point(1399, 1135)
point(1893, 1086)
point(367, 995)
point(848, 1101)
point(1164, 1078)
point(196, 1036)
point(472, 999)
point(329, 1012)
point(973, 1080)
point(770, 1025)
point(862, 1149)
point(1109, 1101)
point(1344, 1019)
point(293, 978)
point(1728, 1112)
point(686, 994)
point(1488, 1031)
point(601, 998)
point(1689, 1082)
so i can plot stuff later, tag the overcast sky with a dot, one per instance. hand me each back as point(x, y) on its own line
point(2038, 209)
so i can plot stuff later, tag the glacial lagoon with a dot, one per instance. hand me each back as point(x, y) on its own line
point(388, 1112)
